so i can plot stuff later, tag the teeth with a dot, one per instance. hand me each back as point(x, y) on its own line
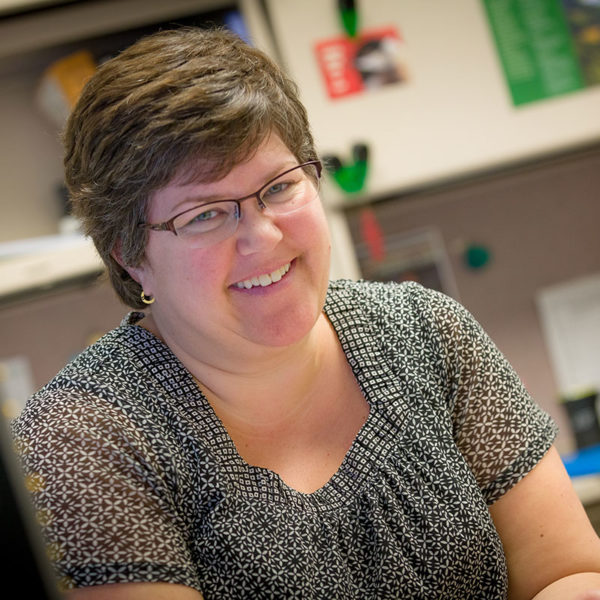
point(264, 280)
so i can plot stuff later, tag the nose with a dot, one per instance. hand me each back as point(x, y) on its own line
point(257, 231)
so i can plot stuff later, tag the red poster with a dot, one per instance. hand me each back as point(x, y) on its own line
point(355, 65)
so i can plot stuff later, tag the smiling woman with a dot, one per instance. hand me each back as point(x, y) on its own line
point(210, 265)
point(260, 431)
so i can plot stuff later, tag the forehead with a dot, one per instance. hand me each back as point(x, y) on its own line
point(211, 166)
point(269, 159)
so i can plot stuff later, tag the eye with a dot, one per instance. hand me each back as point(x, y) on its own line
point(285, 189)
point(200, 218)
point(277, 188)
point(204, 218)
point(205, 215)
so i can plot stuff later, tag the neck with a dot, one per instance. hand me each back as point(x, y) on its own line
point(276, 391)
point(265, 388)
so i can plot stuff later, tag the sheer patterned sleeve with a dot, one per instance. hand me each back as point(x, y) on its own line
point(100, 492)
point(501, 432)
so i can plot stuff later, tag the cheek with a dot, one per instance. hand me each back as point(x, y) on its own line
point(321, 233)
point(167, 266)
point(312, 225)
point(202, 272)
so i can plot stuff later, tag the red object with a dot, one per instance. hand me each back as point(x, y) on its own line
point(337, 60)
point(372, 234)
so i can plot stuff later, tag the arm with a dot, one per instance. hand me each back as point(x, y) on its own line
point(105, 494)
point(551, 548)
point(135, 591)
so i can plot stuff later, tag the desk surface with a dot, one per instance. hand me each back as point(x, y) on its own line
point(587, 488)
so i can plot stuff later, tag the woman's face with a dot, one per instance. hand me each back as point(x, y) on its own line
point(199, 308)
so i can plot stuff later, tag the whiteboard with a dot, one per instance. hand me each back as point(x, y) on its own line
point(570, 317)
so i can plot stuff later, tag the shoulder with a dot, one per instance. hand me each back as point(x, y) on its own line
point(398, 321)
point(121, 351)
point(392, 304)
point(94, 369)
point(376, 295)
point(95, 384)
point(106, 410)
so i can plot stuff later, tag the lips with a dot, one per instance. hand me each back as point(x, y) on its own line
point(265, 279)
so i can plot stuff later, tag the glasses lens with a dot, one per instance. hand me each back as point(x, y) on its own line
point(207, 224)
point(292, 190)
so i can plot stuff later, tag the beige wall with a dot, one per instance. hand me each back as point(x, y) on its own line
point(541, 225)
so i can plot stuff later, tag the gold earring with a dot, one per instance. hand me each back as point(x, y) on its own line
point(147, 299)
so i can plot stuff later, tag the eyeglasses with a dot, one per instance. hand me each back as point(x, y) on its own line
point(213, 222)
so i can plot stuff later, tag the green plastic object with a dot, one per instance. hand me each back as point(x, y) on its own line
point(477, 257)
point(351, 178)
point(349, 175)
point(349, 16)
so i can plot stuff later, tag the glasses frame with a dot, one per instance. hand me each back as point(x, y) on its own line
point(168, 225)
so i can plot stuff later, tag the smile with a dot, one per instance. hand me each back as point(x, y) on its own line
point(263, 280)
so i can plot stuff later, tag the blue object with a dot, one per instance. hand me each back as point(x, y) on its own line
point(583, 462)
point(235, 22)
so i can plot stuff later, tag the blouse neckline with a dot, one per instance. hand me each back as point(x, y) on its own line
point(372, 443)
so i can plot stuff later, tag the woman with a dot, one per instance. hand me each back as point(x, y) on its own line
point(259, 432)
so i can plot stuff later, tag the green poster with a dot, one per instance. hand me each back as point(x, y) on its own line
point(583, 17)
point(539, 43)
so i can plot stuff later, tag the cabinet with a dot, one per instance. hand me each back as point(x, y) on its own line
point(31, 197)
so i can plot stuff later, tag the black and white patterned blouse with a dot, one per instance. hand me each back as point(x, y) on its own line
point(135, 478)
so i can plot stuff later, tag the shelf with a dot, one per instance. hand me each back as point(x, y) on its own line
point(80, 20)
point(15, 7)
point(32, 35)
point(41, 264)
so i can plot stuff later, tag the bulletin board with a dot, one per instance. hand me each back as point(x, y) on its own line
point(452, 111)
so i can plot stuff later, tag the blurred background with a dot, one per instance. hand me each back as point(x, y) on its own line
point(463, 147)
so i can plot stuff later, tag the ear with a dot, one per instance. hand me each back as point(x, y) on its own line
point(136, 273)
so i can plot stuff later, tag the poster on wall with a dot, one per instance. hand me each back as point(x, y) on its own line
point(546, 47)
point(356, 65)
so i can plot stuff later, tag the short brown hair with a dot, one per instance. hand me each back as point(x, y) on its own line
point(185, 102)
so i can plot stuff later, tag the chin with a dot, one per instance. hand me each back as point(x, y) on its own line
point(288, 330)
